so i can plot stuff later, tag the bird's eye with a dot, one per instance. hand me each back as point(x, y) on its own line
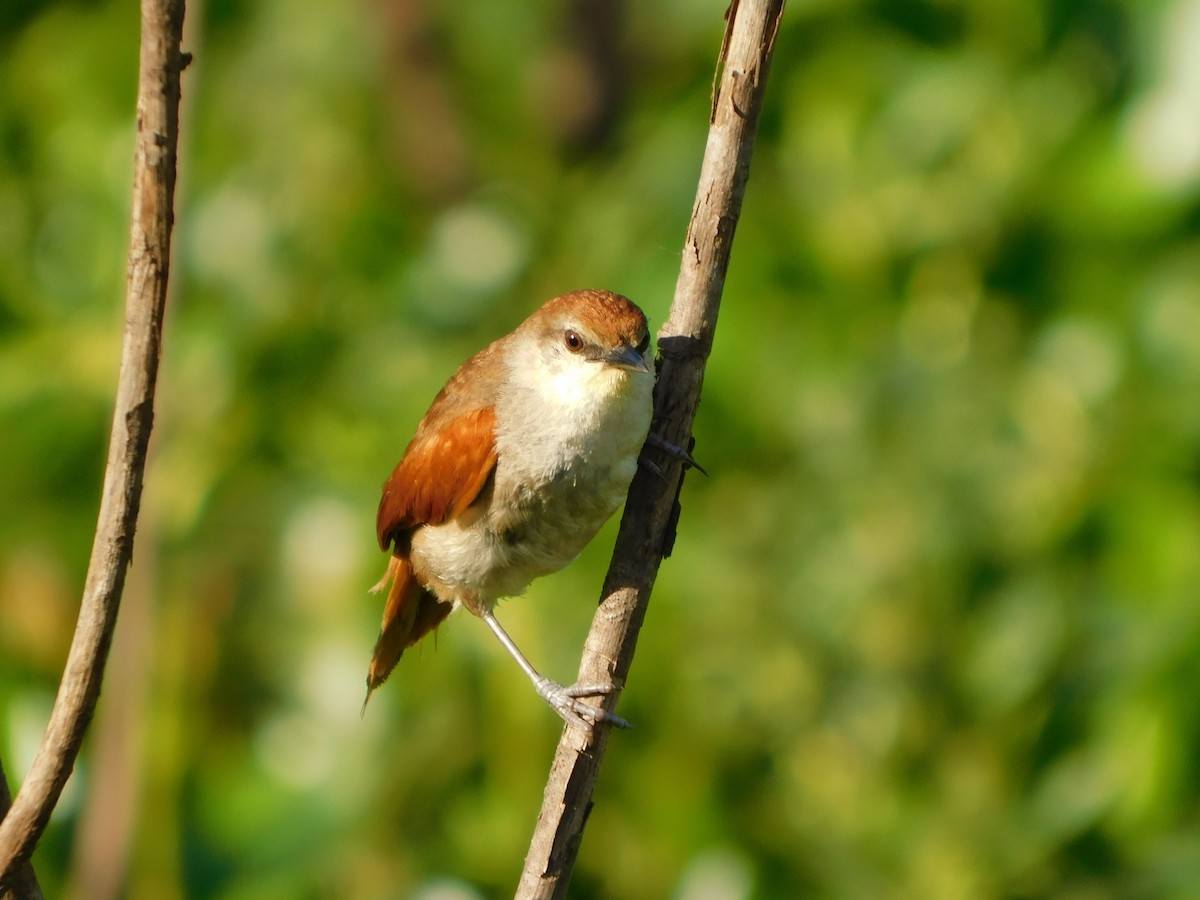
point(573, 341)
point(644, 345)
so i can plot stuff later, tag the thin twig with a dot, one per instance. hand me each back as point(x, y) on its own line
point(160, 66)
point(647, 527)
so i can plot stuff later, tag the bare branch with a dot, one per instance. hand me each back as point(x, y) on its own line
point(149, 255)
point(647, 527)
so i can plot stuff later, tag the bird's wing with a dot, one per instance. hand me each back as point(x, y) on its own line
point(442, 472)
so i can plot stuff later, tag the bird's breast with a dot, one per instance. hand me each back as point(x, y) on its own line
point(558, 478)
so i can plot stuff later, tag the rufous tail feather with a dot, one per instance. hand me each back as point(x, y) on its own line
point(410, 613)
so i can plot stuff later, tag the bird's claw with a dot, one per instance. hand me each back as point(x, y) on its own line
point(652, 466)
point(565, 701)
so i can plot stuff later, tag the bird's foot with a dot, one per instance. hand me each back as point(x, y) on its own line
point(656, 440)
point(565, 701)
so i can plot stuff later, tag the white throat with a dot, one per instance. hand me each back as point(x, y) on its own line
point(583, 408)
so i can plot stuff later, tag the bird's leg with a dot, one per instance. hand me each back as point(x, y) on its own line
point(563, 700)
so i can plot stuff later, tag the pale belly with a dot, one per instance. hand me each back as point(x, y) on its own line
point(491, 552)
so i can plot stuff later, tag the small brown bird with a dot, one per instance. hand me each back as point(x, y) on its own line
point(525, 453)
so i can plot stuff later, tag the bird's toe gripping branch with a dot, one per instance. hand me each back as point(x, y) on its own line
point(565, 701)
point(658, 442)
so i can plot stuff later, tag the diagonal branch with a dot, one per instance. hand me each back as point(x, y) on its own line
point(149, 255)
point(647, 527)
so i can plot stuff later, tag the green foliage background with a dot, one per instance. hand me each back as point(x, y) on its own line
point(932, 627)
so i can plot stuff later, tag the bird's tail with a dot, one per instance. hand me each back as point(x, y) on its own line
point(410, 613)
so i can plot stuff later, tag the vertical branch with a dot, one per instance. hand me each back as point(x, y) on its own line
point(160, 66)
point(647, 527)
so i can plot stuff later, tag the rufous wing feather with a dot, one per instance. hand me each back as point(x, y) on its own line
point(441, 474)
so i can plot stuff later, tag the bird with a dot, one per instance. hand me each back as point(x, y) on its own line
point(523, 455)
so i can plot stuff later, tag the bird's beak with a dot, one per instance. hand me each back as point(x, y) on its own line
point(626, 357)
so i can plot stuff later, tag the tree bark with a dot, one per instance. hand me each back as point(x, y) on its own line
point(651, 512)
point(160, 65)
